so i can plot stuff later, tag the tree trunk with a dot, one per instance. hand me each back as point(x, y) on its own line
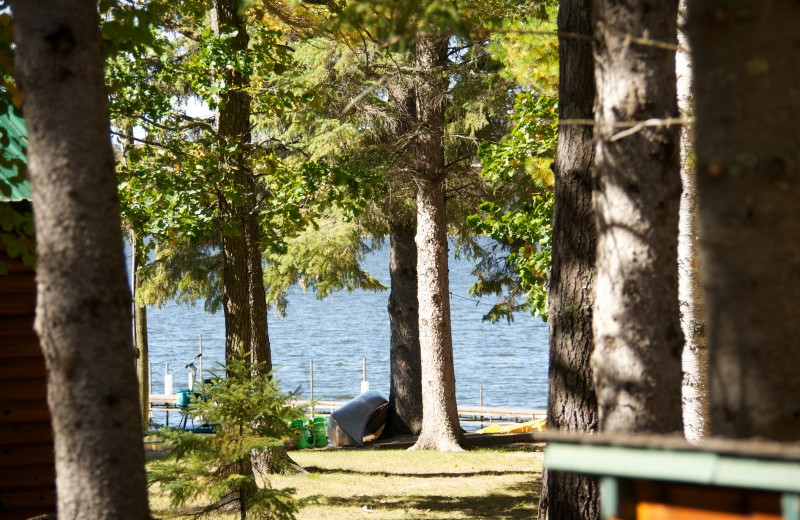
point(138, 258)
point(638, 340)
point(260, 351)
point(83, 314)
point(572, 404)
point(690, 290)
point(747, 101)
point(405, 391)
point(244, 296)
point(143, 358)
point(236, 299)
point(140, 345)
point(440, 427)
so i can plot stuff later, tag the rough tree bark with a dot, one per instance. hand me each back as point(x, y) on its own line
point(244, 296)
point(572, 404)
point(690, 290)
point(747, 99)
point(440, 427)
point(636, 362)
point(405, 391)
point(83, 314)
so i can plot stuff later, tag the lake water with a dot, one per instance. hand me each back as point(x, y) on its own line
point(508, 360)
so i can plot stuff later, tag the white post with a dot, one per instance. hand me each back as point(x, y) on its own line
point(364, 382)
point(481, 404)
point(167, 381)
point(312, 387)
point(201, 359)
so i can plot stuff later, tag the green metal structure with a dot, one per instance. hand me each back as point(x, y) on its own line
point(740, 467)
point(14, 145)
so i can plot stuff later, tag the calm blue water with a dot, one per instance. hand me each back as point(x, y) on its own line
point(509, 361)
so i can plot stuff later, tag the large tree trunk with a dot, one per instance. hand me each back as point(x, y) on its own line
point(572, 404)
point(637, 334)
point(747, 100)
point(440, 427)
point(405, 391)
point(83, 312)
point(690, 290)
point(243, 284)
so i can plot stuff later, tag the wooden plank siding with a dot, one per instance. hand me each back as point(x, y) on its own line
point(27, 465)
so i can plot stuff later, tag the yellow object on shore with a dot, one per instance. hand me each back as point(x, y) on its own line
point(536, 425)
point(154, 443)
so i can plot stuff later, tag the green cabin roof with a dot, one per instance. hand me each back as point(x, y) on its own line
point(13, 155)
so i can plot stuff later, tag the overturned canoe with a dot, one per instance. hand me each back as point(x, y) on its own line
point(361, 417)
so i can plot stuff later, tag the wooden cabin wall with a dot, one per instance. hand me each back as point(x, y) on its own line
point(27, 464)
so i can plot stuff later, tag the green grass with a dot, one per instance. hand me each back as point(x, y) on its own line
point(501, 484)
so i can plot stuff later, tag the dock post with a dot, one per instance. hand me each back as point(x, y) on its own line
point(167, 380)
point(201, 358)
point(480, 400)
point(312, 387)
point(364, 382)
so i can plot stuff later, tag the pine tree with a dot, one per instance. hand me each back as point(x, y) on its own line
point(249, 415)
point(371, 115)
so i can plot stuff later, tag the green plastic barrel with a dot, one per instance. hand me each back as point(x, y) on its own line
point(306, 440)
point(303, 434)
point(318, 429)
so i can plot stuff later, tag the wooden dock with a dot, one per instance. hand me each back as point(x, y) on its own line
point(467, 414)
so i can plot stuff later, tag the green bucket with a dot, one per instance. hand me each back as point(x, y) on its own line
point(302, 433)
point(306, 440)
point(298, 424)
point(319, 433)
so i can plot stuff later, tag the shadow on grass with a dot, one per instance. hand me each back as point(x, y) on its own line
point(494, 505)
point(532, 487)
point(527, 447)
point(488, 473)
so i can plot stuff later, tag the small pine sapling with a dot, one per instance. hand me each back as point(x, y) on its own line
point(249, 415)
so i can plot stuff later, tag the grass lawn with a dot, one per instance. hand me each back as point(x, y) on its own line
point(500, 483)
